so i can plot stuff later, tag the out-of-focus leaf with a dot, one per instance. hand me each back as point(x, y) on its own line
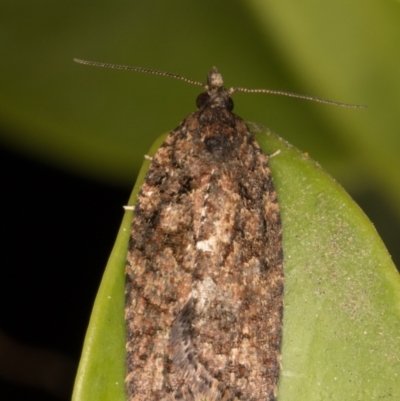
point(100, 122)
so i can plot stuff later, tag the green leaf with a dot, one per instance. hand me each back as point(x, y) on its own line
point(341, 337)
point(342, 295)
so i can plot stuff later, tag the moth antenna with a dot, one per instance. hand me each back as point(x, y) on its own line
point(138, 69)
point(232, 90)
point(290, 94)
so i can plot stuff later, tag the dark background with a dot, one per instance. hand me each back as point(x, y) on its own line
point(57, 230)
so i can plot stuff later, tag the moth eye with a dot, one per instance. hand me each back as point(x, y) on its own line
point(229, 104)
point(202, 100)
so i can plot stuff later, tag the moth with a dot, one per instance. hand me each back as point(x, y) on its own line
point(204, 272)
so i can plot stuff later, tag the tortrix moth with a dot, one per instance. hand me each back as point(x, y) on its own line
point(204, 274)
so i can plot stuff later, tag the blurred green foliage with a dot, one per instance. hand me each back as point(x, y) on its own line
point(100, 123)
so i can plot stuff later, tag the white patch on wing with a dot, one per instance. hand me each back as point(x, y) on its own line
point(204, 292)
point(207, 245)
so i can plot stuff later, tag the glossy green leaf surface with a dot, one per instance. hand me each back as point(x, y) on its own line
point(342, 296)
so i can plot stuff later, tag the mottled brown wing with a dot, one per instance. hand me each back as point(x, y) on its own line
point(204, 271)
